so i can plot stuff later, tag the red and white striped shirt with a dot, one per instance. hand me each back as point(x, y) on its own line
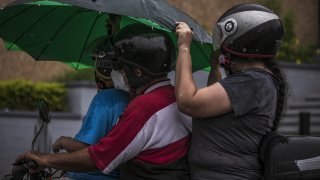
point(151, 130)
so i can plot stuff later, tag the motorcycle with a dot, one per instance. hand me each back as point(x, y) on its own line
point(290, 157)
point(20, 170)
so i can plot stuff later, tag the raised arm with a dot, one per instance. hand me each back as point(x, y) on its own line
point(185, 87)
point(206, 102)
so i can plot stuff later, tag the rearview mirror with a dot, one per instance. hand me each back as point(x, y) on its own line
point(44, 111)
point(44, 116)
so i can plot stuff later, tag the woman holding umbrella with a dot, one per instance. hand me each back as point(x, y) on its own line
point(231, 116)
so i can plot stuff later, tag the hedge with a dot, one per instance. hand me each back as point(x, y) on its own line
point(24, 95)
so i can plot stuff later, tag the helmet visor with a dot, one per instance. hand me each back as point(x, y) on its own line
point(216, 36)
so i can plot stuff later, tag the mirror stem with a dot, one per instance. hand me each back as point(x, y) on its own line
point(38, 133)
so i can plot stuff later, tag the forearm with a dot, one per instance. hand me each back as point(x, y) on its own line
point(185, 85)
point(75, 145)
point(68, 144)
point(214, 76)
point(215, 72)
point(78, 161)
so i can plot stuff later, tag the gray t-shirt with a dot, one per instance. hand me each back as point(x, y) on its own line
point(226, 147)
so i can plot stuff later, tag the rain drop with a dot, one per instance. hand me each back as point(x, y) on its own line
point(244, 50)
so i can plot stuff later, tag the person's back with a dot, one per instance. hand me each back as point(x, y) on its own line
point(232, 139)
point(166, 137)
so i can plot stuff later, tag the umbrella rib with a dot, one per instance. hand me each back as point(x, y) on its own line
point(28, 28)
point(23, 10)
point(57, 32)
point(98, 16)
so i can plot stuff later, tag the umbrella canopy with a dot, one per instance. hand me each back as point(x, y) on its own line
point(50, 30)
point(158, 11)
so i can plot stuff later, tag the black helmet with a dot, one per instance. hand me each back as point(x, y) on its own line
point(102, 64)
point(147, 48)
point(249, 31)
point(102, 74)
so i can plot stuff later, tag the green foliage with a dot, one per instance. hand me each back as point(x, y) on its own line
point(79, 75)
point(25, 95)
point(274, 5)
point(291, 48)
point(294, 52)
point(288, 24)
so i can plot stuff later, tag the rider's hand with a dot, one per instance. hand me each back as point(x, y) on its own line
point(60, 144)
point(184, 34)
point(35, 156)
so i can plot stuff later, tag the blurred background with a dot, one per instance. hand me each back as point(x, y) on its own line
point(71, 91)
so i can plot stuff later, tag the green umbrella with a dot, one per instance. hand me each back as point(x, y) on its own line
point(49, 30)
